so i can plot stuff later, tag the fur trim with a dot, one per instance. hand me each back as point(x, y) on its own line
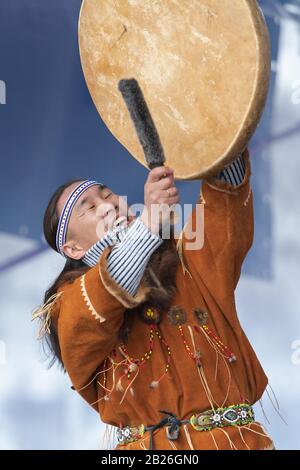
point(115, 289)
point(160, 281)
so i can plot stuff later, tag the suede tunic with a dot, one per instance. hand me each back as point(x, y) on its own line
point(128, 385)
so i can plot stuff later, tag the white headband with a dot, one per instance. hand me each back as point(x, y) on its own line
point(67, 211)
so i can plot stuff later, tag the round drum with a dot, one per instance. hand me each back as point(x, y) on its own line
point(202, 65)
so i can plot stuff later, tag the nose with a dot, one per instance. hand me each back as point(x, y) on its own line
point(109, 213)
point(104, 208)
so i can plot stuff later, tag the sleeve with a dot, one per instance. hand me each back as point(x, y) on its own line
point(90, 316)
point(132, 249)
point(234, 173)
point(227, 229)
point(128, 259)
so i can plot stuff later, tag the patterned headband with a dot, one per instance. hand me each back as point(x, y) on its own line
point(67, 211)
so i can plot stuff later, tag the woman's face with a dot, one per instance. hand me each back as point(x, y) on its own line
point(92, 216)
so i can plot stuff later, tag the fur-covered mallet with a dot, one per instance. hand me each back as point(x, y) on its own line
point(143, 122)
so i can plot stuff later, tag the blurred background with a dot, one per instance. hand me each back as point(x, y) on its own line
point(51, 132)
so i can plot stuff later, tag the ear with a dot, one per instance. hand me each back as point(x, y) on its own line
point(73, 250)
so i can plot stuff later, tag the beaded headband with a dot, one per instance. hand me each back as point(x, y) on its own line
point(63, 222)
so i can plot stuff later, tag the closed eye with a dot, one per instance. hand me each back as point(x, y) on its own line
point(89, 209)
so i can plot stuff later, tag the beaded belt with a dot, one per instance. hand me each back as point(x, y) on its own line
point(229, 416)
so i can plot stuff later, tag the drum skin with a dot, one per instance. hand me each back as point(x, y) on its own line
point(203, 67)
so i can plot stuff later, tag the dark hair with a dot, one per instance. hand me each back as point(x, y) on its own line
point(164, 260)
point(71, 271)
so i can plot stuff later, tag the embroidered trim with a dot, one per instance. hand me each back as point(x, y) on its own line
point(228, 416)
point(88, 302)
point(130, 434)
point(232, 415)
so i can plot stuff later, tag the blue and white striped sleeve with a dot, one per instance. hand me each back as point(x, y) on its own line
point(127, 261)
point(234, 173)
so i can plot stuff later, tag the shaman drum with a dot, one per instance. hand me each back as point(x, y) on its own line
point(202, 65)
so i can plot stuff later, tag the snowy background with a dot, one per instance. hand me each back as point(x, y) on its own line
point(50, 132)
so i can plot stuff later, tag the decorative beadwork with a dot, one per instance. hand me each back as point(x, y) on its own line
point(227, 416)
point(201, 315)
point(232, 415)
point(202, 318)
point(196, 357)
point(177, 315)
point(130, 434)
point(132, 365)
point(155, 383)
point(139, 362)
point(220, 345)
point(151, 315)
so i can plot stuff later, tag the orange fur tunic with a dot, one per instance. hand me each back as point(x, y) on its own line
point(128, 383)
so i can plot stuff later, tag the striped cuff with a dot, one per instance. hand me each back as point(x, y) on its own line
point(127, 261)
point(92, 256)
point(234, 173)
